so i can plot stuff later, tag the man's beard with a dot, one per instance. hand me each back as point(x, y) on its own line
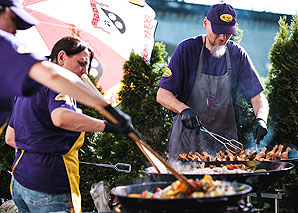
point(218, 51)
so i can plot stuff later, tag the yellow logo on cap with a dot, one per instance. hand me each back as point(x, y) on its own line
point(167, 73)
point(226, 17)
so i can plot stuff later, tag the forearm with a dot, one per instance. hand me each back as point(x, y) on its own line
point(169, 101)
point(73, 121)
point(10, 137)
point(66, 82)
point(260, 106)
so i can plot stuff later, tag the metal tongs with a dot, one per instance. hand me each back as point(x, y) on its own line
point(125, 167)
point(232, 145)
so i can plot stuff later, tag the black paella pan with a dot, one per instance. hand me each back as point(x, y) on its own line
point(272, 171)
point(213, 204)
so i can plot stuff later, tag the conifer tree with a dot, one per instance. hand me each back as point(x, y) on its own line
point(282, 88)
point(283, 84)
point(137, 98)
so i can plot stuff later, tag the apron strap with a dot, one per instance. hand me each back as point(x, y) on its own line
point(200, 65)
point(228, 59)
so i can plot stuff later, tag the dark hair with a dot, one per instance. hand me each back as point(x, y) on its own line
point(2, 8)
point(71, 46)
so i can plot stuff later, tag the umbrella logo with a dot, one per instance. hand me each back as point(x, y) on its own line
point(111, 19)
point(116, 20)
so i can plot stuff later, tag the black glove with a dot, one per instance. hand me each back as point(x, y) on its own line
point(111, 128)
point(124, 125)
point(260, 129)
point(189, 119)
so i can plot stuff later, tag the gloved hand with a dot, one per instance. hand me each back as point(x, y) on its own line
point(189, 119)
point(260, 130)
point(124, 125)
point(111, 128)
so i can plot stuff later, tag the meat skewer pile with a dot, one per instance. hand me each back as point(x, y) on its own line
point(245, 155)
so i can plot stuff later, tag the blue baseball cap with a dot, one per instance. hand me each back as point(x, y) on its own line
point(24, 20)
point(223, 19)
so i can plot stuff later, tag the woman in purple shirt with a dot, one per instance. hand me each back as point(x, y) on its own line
point(47, 130)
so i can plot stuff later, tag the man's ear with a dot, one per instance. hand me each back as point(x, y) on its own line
point(61, 57)
point(205, 22)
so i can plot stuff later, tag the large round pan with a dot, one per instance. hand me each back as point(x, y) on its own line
point(215, 204)
point(274, 171)
point(292, 158)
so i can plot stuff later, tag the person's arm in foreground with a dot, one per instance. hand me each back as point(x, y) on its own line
point(66, 82)
point(9, 137)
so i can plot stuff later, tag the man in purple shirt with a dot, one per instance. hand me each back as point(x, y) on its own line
point(20, 69)
point(200, 86)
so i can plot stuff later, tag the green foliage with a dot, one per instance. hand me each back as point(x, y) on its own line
point(282, 88)
point(283, 83)
point(7, 157)
point(237, 38)
point(243, 109)
point(137, 98)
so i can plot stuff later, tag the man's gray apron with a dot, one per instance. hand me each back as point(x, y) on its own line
point(211, 100)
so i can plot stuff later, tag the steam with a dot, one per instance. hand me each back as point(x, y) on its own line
point(264, 143)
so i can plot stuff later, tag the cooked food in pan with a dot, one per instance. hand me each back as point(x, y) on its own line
point(276, 153)
point(222, 169)
point(207, 187)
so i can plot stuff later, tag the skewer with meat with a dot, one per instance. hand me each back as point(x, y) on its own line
point(231, 156)
point(218, 157)
point(271, 153)
point(207, 156)
point(245, 155)
point(277, 154)
point(193, 157)
point(261, 154)
point(252, 155)
point(284, 155)
point(183, 157)
point(200, 156)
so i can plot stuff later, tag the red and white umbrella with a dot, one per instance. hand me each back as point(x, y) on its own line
point(113, 28)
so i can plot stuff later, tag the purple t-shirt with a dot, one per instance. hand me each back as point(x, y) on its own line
point(41, 167)
point(14, 67)
point(180, 77)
